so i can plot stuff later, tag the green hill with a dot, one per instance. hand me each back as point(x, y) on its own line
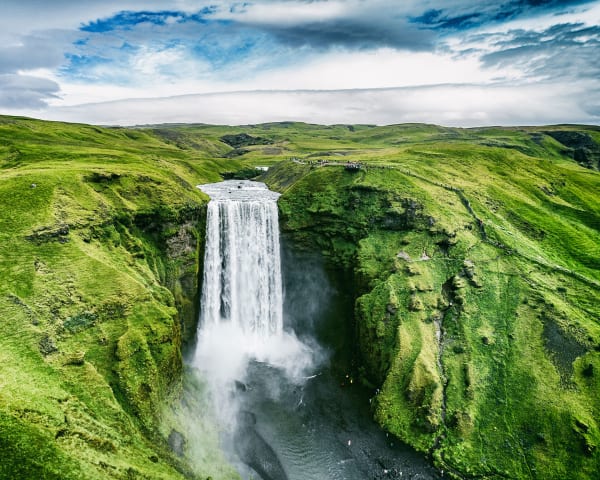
point(99, 258)
point(473, 254)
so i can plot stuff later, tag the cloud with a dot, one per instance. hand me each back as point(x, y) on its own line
point(119, 48)
point(127, 20)
point(228, 41)
point(373, 69)
point(20, 58)
point(34, 15)
point(160, 48)
point(321, 25)
point(570, 51)
point(29, 52)
point(461, 16)
point(439, 19)
point(25, 91)
point(455, 105)
point(353, 34)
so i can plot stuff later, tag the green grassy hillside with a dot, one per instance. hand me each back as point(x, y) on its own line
point(99, 256)
point(474, 255)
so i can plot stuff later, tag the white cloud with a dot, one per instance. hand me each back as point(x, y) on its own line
point(25, 91)
point(39, 50)
point(157, 73)
point(324, 45)
point(161, 73)
point(464, 105)
point(380, 68)
point(164, 64)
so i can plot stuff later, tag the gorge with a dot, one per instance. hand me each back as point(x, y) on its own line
point(447, 286)
point(264, 381)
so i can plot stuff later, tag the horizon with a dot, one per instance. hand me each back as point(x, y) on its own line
point(276, 122)
point(457, 64)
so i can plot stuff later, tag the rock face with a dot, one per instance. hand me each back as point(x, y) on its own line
point(582, 147)
point(255, 451)
point(183, 250)
point(244, 140)
point(47, 345)
point(57, 233)
point(176, 442)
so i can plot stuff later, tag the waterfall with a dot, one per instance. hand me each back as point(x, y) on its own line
point(241, 313)
point(242, 266)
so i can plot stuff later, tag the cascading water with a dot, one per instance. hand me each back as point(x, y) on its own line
point(242, 266)
point(241, 314)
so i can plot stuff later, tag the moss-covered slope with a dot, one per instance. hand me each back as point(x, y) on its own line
point(475, 255)
point(99, 257)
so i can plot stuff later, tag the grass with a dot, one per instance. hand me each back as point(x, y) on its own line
point(99, 258)
point(478, 307)
point(473, 254)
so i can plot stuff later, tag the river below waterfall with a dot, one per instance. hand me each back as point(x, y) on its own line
point(323, 431)
point(275, 348)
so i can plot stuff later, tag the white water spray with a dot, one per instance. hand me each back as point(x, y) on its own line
point(242, 266)
point(241, 317)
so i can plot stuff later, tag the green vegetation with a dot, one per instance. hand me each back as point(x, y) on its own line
point(475, 258)
point(474, 255)
point(99, 256)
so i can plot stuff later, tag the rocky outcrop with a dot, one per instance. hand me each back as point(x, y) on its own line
point(55, 233)
point(244, 140)
point(176, 443)
point(581, 147)
point(254, 451)
point(183, 250)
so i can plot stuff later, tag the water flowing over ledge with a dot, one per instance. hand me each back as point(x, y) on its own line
point(241, 311)
point(281, 412)
point(242, 264)
point(239, 190)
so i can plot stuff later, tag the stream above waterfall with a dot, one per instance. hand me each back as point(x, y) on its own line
point(274, 347)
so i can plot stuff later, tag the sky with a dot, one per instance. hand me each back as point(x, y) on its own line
point(448, 62)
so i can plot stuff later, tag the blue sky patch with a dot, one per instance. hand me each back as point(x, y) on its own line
point(127, 20)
